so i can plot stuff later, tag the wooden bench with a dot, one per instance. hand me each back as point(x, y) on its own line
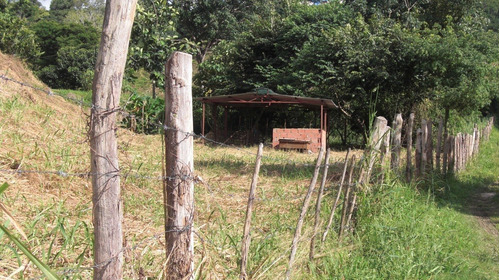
point(294, 144)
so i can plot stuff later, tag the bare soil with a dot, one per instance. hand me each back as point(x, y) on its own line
point(484, 206)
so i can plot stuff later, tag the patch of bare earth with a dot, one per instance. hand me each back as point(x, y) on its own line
point(484, 206)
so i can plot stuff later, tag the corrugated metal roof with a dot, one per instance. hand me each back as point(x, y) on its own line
point(263, 97)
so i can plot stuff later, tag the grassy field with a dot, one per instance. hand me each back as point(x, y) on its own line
point(417, 231)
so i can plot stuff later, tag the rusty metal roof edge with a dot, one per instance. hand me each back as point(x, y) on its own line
point(309, 100)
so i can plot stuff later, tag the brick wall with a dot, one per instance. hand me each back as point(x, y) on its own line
point(314, 135)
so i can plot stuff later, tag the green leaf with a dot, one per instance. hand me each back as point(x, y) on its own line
point(3, 187)
point(42, 266)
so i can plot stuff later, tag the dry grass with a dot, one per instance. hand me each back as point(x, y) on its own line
point(41, 132)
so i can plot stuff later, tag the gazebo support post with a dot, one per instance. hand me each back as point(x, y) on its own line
point(214, 118)
point(225, 123)
point(203, 122)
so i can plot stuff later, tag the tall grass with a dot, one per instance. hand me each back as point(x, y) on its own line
point(405, 232)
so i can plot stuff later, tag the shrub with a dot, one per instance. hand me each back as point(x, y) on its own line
point(147, 114)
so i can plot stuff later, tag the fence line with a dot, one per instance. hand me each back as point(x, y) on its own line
point(462, 148)
point(158, 125)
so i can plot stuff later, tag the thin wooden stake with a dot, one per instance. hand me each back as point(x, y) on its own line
point(418, 154)
point(451, 155)
point(318, 204)
point(409, 143)
point(423, 163)
point(438, 145)
point(245, 244)
point(396, 142)
point(430, 147)
point(303, 212)
point(332, 213)
point(346, 198)
point(446, 154)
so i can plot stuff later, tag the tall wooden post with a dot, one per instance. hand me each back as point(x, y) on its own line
point(203, 121)
point(409, 143)
point(418, 153)
point(318, 204)
point(305, 206)
point(423, 164)
point(245, 243)
point(396, 141)
point(439, 145)
point(107, 210)
point(377, 134)
point(430, 146)
point(179, 188)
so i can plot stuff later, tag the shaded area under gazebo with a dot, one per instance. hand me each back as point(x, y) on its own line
point(287, 138)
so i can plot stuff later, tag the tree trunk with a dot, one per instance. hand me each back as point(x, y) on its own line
point(107, 210)
point(179, 189)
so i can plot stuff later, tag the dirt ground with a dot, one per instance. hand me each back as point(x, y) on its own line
point(484, 206)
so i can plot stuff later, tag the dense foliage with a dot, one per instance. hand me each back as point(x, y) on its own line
point(401, 54)
point(438, 55)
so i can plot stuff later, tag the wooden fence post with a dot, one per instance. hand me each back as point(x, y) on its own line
point(385, 148)
point(378, 130)
point(451, 156)
point(107, 210)
point(423, 163)
point(446, 153)
point(346, 199)
point(409, 143)
point(430, 146)
point(439, 145)
point(179, 188)
point(476, 140)
point(303, 212)
point(418, 154)
point(456, 153)
point(318, 203)
point(396, 142)
point(245, 243)
point(334, 207)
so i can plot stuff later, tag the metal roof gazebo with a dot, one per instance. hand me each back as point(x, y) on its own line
point(293, 138)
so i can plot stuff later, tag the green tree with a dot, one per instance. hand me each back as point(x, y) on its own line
point(69, 54)
point(17, 38)
point(87, 12)
point(154, 38)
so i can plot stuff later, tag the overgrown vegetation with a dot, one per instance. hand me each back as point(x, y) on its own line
point(439, 56)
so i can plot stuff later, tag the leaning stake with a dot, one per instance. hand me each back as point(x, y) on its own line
point(303, 212)
point(245, 244)
point(330, 220)
point(318, 204)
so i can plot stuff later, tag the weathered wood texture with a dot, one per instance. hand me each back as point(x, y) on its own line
point(347, 199)
point(423, 163)
point(305, 206)
point(418, 153)
point(335, 203)
point(179, 188)
point(439, 145)
point(409, 144)
point(318, 204)
point(396, 142)
point(245, 244)
point(376, 138)
point(107, 210)
point(430, 147)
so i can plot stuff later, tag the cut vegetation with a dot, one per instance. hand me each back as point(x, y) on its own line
point(428, 230)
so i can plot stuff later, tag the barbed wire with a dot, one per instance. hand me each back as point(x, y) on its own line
point(161, 126)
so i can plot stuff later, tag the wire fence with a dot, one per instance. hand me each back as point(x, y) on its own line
point(332, 185)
